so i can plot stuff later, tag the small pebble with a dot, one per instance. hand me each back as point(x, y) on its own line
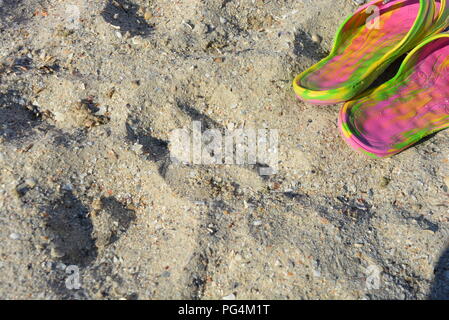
point(97, 204)
point(61, 266)
point(384, 182)
point(67, 187)
point(148, 15)
point(316, 38)
point(446, 181)
point(55, 253)
point(229, 297)
point(14, 236)
point(30, 182)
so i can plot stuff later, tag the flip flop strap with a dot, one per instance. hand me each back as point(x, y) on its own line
point(423, 26)
point(441, 21)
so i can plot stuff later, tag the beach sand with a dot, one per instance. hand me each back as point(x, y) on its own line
point(92, 206)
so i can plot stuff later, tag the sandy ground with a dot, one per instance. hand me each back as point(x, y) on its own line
point(93, 207)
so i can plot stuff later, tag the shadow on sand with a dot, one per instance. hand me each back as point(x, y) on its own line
point(440, 286)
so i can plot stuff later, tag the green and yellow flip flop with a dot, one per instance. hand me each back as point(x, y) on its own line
point(366, 44)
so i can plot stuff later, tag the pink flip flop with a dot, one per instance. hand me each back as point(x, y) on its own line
point(402, 111)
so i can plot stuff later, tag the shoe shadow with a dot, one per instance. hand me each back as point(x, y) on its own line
point(440, 285)
point(388, 74)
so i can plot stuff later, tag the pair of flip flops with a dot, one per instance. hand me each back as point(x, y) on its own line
point(415, 103)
